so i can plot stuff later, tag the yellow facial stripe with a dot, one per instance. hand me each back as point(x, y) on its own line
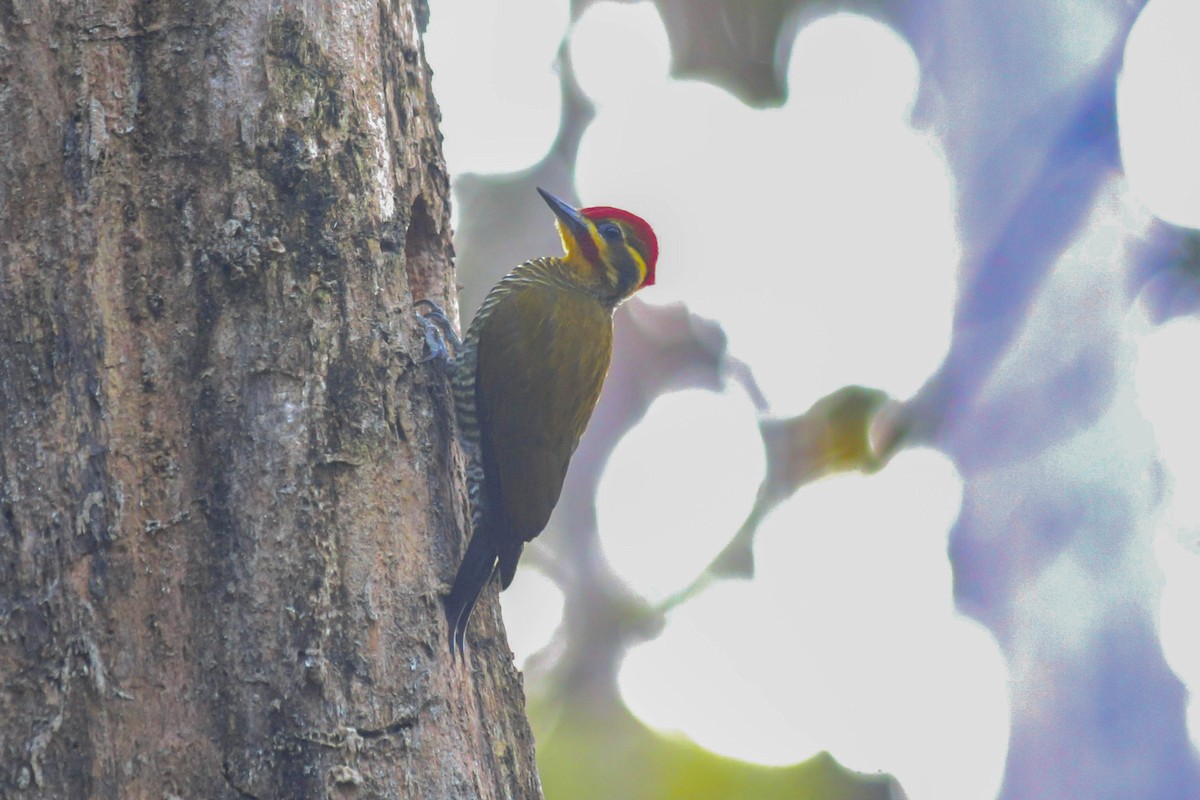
point(602, 247)
point(568, 241)
point(643, 271)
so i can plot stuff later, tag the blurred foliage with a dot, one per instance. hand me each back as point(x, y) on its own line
point(833, 436)
point(605, 753)
point(730, 43)
point(589, 745)
point(740, 45)
point(1189, 259)
point(1021, 96)
point(1168, 276)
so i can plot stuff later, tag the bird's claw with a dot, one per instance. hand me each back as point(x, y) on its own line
point(435, 341)
point(438, 331)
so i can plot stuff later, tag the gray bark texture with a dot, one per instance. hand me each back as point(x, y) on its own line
point(229, 493)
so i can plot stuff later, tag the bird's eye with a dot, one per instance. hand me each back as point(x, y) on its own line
point(611, 231)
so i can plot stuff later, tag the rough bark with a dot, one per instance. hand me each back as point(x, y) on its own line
point(229, 498)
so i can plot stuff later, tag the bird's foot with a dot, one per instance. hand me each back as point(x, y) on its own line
point(438, 332)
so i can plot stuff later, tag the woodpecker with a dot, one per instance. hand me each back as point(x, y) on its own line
point(526, 379)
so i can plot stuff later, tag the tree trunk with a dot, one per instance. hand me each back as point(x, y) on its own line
point(229, 494)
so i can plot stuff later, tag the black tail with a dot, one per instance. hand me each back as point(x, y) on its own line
point(473, 574)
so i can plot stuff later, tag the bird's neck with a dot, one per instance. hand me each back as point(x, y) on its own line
point(573, 275)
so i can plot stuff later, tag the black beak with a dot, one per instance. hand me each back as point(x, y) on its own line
point(572, 220)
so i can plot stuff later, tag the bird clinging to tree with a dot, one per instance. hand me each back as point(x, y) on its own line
point(527, 378)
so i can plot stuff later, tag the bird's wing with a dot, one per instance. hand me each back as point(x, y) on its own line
point(543, 355)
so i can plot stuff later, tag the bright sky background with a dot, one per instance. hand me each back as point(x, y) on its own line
point(806, 230)
point(847, 641)
point(1158, 101)
point(1170, 404)
point(659, 534)
point(1158, 107)
point(500, 104)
